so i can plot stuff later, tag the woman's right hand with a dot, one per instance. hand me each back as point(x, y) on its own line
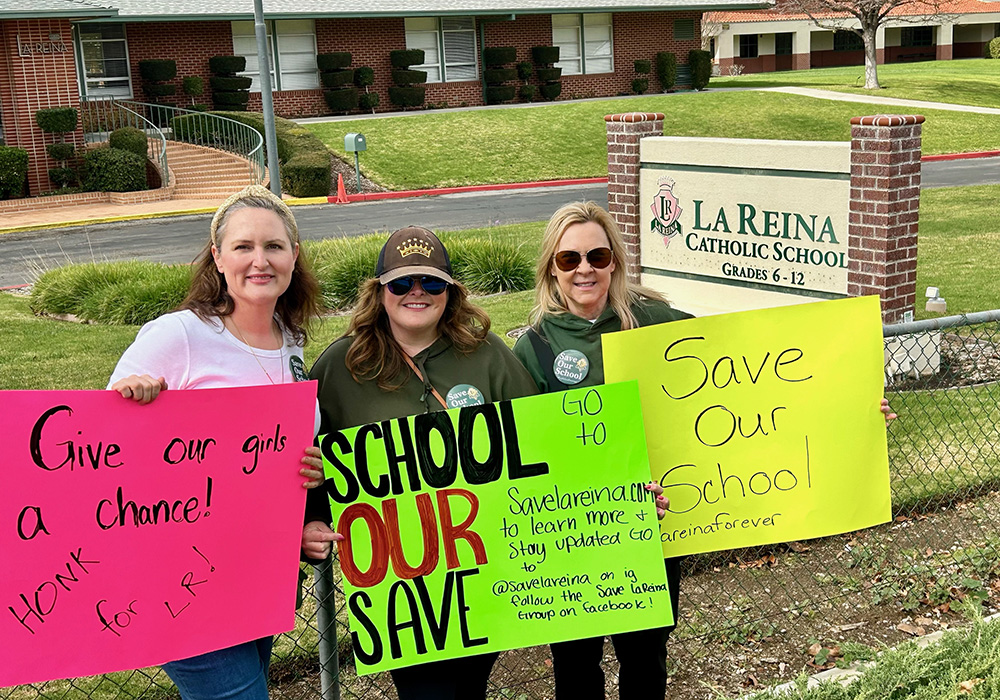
point(316, 539)
point(140, 388)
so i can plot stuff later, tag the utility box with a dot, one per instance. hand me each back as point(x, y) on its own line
point(355, 142)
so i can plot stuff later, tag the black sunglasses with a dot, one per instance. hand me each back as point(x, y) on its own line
point(599, 258)
point(431, 285)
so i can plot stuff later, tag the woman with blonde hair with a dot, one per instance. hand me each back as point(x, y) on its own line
point(416, 344)
point(243, 323)
point(582, 292)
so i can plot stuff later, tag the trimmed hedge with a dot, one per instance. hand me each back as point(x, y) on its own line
point(548, 75)
point(494, 76)
point(158, 70)
point(337, 78)
point(640, 85)
point(527, 92)
point(56, 120)
point(13, 171)
point(666, 69)
point(545, 55)
point(160, 90)
point(550, 91)
point(368, 100)
point(700, 63)
point(495, 94)
point(404, 58)
point(364, 76)
point(114, 170)
point(231, 98)
point(642, 66)
point(60, 151)
point(407, 96)
point(525, 70)
point(406, 78)
point(341, 100)
point(333, 61)
point(193, 85)
point(130, 139)
point(227, 65)
point(225, 83)
point(62, 177)
point(499, 55)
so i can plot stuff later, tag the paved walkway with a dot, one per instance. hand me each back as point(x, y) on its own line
point(99, 213)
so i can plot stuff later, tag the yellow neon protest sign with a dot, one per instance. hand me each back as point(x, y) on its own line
point(762, 426)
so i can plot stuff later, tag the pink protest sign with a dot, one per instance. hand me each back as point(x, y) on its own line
point(134, 535)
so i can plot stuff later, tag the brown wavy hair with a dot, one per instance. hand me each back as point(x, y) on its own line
point(622, 294)
point(208, 297)
point(376, 356)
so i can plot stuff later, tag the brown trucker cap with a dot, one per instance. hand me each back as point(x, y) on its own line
point(413, 250)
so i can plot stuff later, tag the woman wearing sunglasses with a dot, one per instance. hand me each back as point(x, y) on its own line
point(415, 344)
point(581, 292)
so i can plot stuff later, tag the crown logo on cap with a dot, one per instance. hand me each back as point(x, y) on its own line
point(415, 246)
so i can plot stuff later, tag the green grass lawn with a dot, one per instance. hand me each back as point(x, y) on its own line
point(567, 140)
point(965, 82)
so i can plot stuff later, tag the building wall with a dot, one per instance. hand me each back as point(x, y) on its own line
point(32, 82)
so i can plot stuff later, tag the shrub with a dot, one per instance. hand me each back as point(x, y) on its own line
point(160, 89)
point(495, 94)
point(341, 100)
point(642, 66)
point(130, 139)
point(62, 177)
point(333, 61)
point(337, 78)
point(640, 85)
point(666, 69)
point(240, 97)
point(487, 266)
point(404, 58)
point(227, 65)
point(550, 91)
point(994, 48)
point(499, 55)
point(548, 75)
point(368, 100)
point(407, 96)
point(13, 171)
point(525, 70)
point(364, 76)
point(60, 151)
point(114, 170)
point(226, 83)
point(527, 92)
point(193, 85)
point(158, 70)
point(495, 76)
point(545, 55)
point(405, 78)
point(342, 265)
point(56, 120)
point(700, 63)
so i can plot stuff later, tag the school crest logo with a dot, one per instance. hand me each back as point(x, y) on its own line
point(666, 211)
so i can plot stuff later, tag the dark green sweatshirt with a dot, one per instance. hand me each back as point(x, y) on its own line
point(569, 332)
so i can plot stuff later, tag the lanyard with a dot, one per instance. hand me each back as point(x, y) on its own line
point(425, 383)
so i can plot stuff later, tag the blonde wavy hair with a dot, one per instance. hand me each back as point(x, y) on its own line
point(376, 356)
point(622, 294)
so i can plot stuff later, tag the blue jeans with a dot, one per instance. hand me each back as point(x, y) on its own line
point(236, 673)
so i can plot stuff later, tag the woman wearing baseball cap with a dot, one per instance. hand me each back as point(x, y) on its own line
point(416, 344)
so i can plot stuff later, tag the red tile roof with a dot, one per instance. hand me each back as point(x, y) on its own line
point(789, 11)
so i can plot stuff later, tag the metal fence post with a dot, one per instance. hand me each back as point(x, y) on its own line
point(326, 618)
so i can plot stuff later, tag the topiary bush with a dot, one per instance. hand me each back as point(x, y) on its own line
point(193, 86)
point(700, 63)
point(56, 120)
point(549, 75)
point(550, 91)
point(993, 48)
point(60, 150)
point(61, 121)
point(495, 74)
point(226, 93)
point(222, 83)
point(156, 72)
point(131, 139)
point(364, 77)
point(62, 177)
point(114, 170)
point(368, 100)
point(13, 171)
point(338, 78)
point(544, 57)
point(497, 94)
point(404, 58)
point(527, 92)
point(666, 70)
point(407, 92)
point(227, 65)
point(405, 78)
point(341, 100)
point(333, 61)
point(334, 73)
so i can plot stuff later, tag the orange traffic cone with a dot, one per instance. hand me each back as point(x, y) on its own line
point(341, 192)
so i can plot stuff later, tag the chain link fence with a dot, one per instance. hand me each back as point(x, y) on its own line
point(755, 615)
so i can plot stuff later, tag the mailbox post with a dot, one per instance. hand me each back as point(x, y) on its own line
point(355, 143)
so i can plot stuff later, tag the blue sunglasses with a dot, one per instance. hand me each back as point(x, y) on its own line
point(431, 285)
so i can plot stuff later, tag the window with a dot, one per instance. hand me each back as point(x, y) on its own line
point(748, 46)
point(783, 44)
point(847, 41)
point(449, 46)
point(104, 59)
point(293, 41)
point(585, 43)
point(917, 36)
point(683, 29)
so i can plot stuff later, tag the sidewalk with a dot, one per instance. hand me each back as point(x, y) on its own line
point(104, 213)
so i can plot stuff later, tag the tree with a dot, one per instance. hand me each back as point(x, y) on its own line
point(868, 15)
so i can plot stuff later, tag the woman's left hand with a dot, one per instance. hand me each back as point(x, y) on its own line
point(886, 411)
point(662, 502)
point(313, 471)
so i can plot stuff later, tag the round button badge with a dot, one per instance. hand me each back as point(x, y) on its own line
point(298, 368)
point(571, 367)
point(462, 395)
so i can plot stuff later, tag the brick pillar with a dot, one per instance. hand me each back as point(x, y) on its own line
point(624, 133)
point(884, 211)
